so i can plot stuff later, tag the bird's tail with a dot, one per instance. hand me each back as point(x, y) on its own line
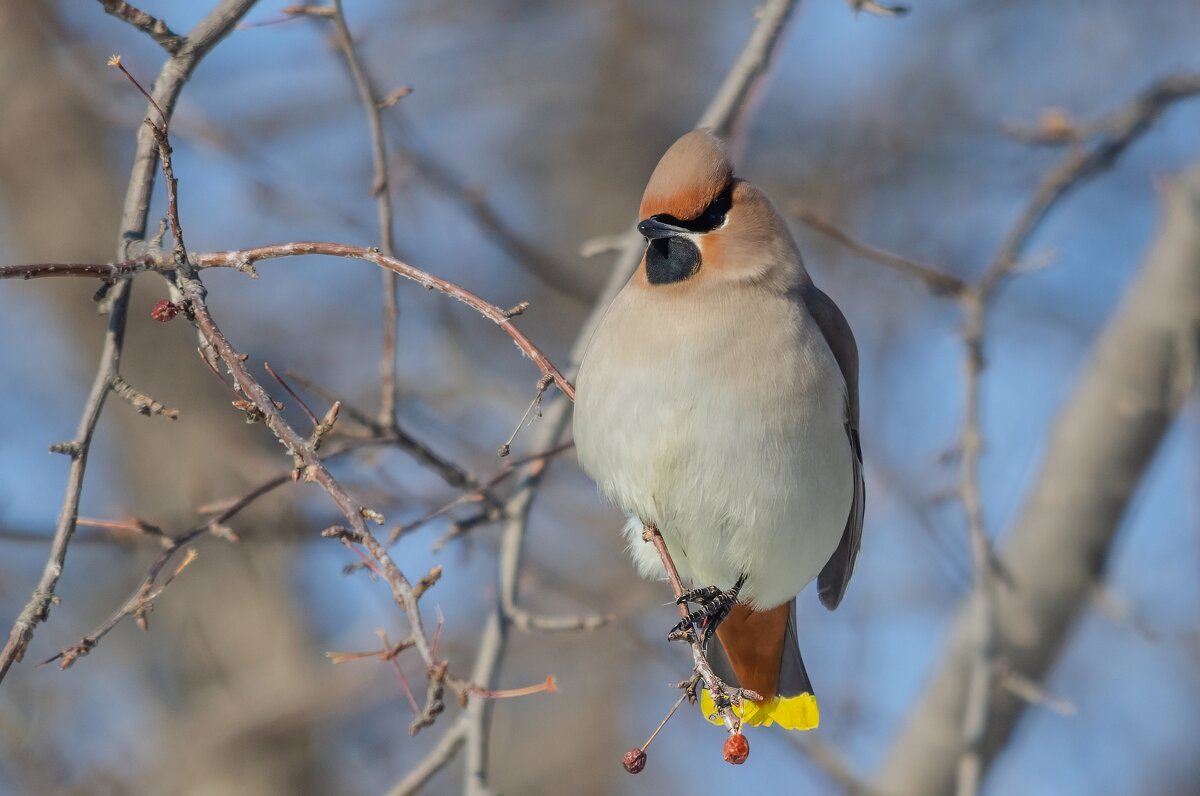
point(759, 650)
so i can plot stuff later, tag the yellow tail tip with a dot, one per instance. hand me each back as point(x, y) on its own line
point(792, 713)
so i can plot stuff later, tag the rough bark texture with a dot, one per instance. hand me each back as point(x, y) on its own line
point(1139, 375)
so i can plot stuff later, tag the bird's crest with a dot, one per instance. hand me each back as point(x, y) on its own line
point(692, 173)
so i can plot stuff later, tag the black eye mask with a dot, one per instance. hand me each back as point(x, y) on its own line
point(712, 217)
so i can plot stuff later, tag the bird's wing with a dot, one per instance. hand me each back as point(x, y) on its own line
point(832, 582)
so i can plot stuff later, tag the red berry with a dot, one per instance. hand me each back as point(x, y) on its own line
point(164, 311)
point(635, 760)
point(737, 749)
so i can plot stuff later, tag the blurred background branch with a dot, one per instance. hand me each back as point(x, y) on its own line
point(1141, 371)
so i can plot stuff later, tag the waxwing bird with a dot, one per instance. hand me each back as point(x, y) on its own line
point(718, 400)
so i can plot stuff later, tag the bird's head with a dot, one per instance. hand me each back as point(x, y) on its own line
point(702, 223)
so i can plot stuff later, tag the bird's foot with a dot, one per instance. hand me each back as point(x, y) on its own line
point(715, 604)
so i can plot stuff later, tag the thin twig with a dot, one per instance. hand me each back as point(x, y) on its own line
point(442, 753)
point(453, 474)
point(287, 388)
point(543, 265)
point(213, 525)
point(724, 697)
point(381, 189)
point(239, 259)
point(534, 410)
point(938, 282)
point(110, 272)
point(878, 9)
point(186, 281)
point(974, 720)
point(491, 514)
point(1113, 134)
point(170, 83)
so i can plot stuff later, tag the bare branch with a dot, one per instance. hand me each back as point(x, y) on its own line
point(437, 759)
point(490, 311)
point(939, 283)
point(381, 189)
point(878, 9)
point(110, 272)
point(213, 525)
point(1115, 133)
point(730, 104)
point(240, 259)
point(170, 83)
point(155, 28)
point(140, 401)
point(983, 600)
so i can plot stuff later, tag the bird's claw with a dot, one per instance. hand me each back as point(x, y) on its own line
point(715, 604)
point(701, 595)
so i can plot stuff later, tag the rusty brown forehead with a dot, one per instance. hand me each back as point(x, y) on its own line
point(686, 181)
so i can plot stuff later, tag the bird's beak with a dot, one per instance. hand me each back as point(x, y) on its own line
point(655, 227)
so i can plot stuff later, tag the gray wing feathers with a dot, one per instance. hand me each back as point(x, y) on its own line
point(793, 679)
point(835, 577)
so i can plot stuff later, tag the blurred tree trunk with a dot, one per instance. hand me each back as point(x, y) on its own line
point(1141, 372)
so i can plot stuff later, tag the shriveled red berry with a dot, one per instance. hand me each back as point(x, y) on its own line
point(635, 760)
point(737, 749)
point(164, 311)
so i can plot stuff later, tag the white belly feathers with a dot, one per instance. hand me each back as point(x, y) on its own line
point(741, 461)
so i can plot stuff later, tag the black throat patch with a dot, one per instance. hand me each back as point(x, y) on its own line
point(672, 259)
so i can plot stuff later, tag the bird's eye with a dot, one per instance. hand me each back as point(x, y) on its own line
point(712, 217)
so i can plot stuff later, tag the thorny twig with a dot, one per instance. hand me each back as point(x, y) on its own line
point(214, 525)
point(724, 697)
point(452, 473)
point(172, 78)
point(239, 259)
point(183, 275)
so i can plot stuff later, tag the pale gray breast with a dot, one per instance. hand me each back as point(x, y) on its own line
point(680, 407)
